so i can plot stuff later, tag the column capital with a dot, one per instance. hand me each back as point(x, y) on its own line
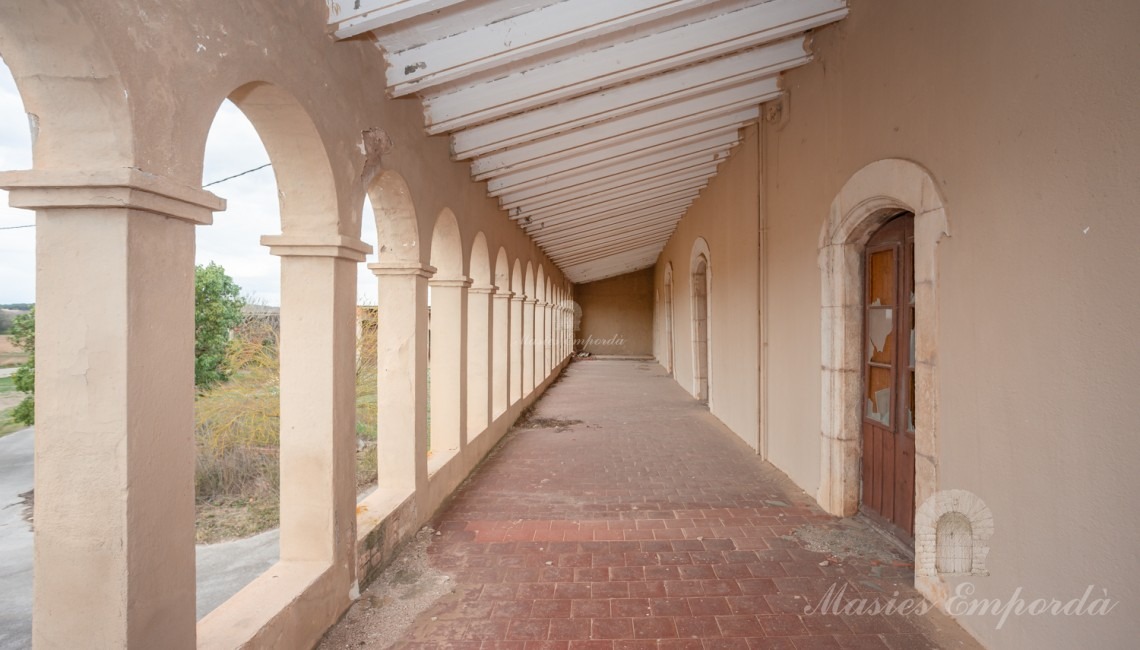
point(518, 297)
point(123, 187)
point(342, 246)
point(503, 294)
point(530, 301)
point(401, 268)
point(483, 289)
point(460, 281)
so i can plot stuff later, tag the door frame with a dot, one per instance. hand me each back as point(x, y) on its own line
point(871, 197)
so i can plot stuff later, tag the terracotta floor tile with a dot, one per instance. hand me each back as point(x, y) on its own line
point(647, 526)
point(612, 628)
point(654, 627)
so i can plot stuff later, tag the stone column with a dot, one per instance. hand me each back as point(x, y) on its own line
point(528, 348)
point(318, 397)
point(516, 345)
point(541, 316)
point(548, 344)
point(448, 362)
point(480, 347)
point(114, 443)
point(401, 374)
point(501, 354)
point(561, 333)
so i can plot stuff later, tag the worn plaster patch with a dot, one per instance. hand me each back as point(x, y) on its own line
point(408, 588)
point(848, 538)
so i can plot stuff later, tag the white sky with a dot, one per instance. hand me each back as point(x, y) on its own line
point(233, 241)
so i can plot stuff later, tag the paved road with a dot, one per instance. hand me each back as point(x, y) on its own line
point(15, 541)
point(222, 568)
point(7, 372)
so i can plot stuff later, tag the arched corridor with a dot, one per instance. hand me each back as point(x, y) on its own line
point(690, 186)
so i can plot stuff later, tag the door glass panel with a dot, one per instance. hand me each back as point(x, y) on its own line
point(882, 278)
point(879, 395)
point(880, 339)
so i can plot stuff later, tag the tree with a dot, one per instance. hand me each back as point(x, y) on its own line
point(217, 310)
point(24, 336)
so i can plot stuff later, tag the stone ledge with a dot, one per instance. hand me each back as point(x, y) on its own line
point(125, 187)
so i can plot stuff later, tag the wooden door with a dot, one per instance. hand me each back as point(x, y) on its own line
point(888, 376)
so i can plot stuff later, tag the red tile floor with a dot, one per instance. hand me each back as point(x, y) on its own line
point(646, 524)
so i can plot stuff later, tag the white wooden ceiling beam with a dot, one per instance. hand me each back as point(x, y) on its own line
point(598, 253)
point(368, 15)
point(452, 20)
point(651, 209)
point(556, 231)
point(501, 43)
point(648, 149)
point(616, 224)
point(626, 241)
point(610, 227)
point(617, 183)
point(603, 253)
point(716, 146)
point(591, 271)
point(690, 191)
point(666, 117)
point(671, 86)
point(661, 183)
point(612, 65)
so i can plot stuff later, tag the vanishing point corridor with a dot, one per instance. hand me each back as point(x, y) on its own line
point(621, 514)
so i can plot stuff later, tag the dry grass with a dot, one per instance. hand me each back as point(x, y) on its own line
point(10, 355)
point(237, 429)
point(9, 398)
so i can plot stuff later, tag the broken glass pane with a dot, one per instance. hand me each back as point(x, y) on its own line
point(879, 395)
point(880, 323)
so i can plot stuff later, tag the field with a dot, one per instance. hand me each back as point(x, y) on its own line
point(9, 398)
point(10, 355)
point(237, 432)
point(237, 427)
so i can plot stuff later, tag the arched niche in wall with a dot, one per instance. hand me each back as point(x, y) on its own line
point(700, 285)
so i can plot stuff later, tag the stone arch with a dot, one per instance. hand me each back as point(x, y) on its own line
point(306, 189)
point(397, 227)
point(517, 278)
point(952, 529)
point(59, 62)
point(503, 271)
point(540, 283)
point(447, 247)
point(480, 263)
point(869, 199)
point(528, 282)
point(700, 292)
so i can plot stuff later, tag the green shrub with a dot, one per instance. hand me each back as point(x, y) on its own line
point(24, 336)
